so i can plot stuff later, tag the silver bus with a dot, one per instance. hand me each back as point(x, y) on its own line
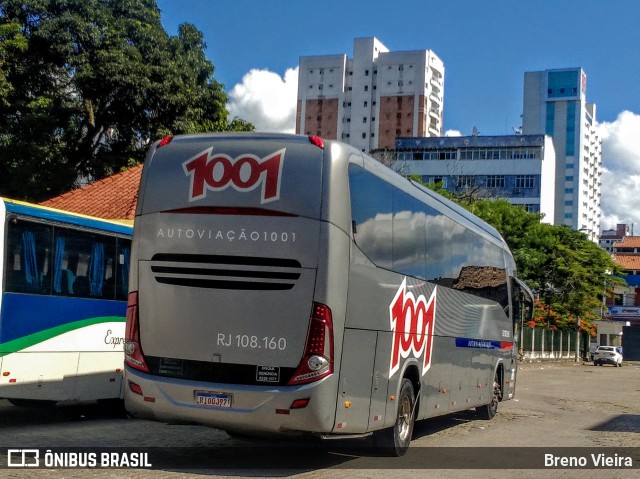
point(290, 284)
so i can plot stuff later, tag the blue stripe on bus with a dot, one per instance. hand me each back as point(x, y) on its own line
point(24, 314)
point(60, 216)
point(482, 344)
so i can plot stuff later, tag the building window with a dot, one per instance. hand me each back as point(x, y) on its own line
point(495, 181)
point(366, 88)
point(465, 181)
point(438, 180)
point(568, 178)
point(364, 135)
point(364, 119)
point(366, 104)
point(366, 73)
point(525, 181)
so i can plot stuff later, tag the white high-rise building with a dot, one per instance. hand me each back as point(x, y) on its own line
point(371, 99)
point(555, 104)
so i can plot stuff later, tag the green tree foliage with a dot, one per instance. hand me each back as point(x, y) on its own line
point(569, 272)
point(11, 42)
point(87, 85)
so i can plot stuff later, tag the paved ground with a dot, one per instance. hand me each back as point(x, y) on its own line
point(557, 405)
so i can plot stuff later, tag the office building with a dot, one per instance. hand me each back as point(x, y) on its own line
point(518, 168)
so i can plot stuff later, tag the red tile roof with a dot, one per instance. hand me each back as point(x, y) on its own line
point(114, 197)
point(628, 261)
point(628, 242)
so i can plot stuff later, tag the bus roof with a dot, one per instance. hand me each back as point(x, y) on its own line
point(52, 214)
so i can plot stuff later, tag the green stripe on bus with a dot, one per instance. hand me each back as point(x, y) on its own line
point(41, 336)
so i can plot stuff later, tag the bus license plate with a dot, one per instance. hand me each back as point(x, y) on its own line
point(204, 398)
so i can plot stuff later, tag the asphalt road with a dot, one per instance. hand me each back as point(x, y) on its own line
point(593, 410)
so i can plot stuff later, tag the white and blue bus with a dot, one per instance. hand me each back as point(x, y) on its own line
point(287, 284)
point(63, 284)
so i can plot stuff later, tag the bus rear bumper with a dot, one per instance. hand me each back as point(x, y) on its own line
point(263, 409)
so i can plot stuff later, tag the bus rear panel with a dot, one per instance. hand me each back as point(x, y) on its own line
point(227, 261)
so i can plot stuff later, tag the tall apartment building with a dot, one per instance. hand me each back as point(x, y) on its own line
point(371, 99)
point(518, 168)
point(555, 104)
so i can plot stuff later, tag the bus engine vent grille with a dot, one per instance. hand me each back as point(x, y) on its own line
point(225, 272)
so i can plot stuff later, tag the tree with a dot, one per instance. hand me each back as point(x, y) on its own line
point(94, 84)
point(11, 40)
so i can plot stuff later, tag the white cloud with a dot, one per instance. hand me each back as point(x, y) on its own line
point(452, 133)
point(621, 171)
point(267, 100)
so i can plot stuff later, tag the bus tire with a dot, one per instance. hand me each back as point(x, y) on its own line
point(489, 411)
point(394, 441)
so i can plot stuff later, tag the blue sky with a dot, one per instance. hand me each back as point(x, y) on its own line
point(486, 46)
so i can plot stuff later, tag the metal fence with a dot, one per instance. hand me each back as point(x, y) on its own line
point(542, 343)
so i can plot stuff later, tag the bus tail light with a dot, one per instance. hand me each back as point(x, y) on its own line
point(317, 141)
point(132, 350)
point(317, 360)
point(165, 141)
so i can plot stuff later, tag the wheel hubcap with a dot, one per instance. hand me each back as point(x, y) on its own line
point(404, 419)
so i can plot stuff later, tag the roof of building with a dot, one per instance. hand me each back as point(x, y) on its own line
point(114, 197)
point(628, 242)
point(628, 261)
point(439, 142)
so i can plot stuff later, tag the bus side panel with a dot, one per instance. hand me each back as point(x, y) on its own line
point(356, 377)
point(380, 389)
point(99, 375)
point(49, 376)
point(436, 383)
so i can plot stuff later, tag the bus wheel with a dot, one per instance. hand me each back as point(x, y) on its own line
point(395, 440)
point(489, 411)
